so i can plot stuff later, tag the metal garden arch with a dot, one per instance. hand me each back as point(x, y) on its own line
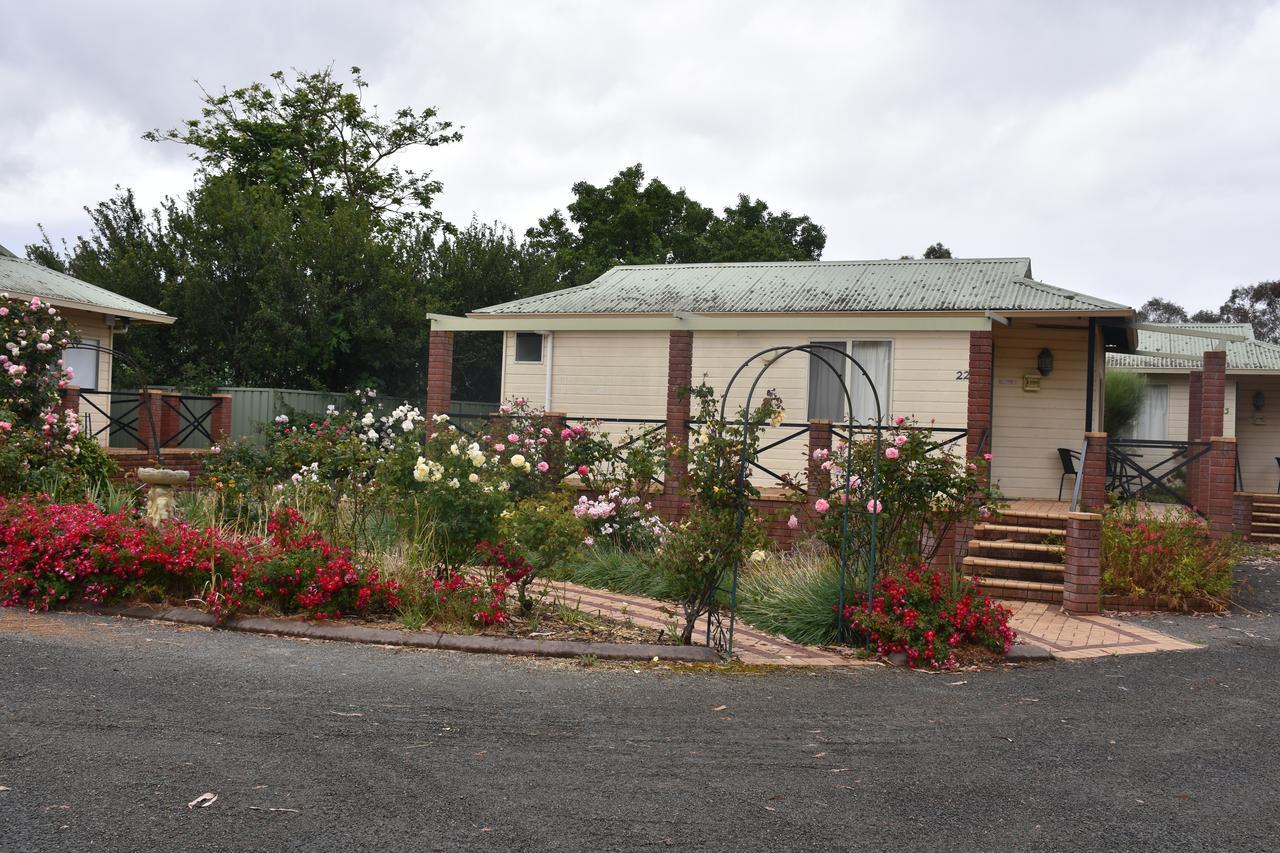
point(719, 635)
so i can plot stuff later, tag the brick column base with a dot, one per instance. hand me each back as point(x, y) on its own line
point(819, 479)
point(1220, 479)
point(1093, 489)
point(1081, 579)
point(679, 380)
point(1242, 517)
point(439, 375)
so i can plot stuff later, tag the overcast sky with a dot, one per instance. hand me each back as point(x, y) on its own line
point(1130, 149)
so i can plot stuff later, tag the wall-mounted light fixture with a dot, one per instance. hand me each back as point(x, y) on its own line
point(1259, 401)
point(1044, 362)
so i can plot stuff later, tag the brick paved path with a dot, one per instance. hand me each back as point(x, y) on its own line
point(1046, 625)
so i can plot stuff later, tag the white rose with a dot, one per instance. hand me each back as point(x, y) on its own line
point(473, 478)
point(517, 461)
point(407, 426)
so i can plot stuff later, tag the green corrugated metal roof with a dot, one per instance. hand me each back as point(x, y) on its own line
point(20, 277)
point(974, 284)
point(1241, 355)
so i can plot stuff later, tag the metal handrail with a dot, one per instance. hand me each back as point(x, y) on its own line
point(1075, 488)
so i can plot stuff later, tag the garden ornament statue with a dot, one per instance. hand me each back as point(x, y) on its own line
point(720, 636)
point(160, 483)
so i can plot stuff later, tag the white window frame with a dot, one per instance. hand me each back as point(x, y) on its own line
point(96, 354)
point(542, 348)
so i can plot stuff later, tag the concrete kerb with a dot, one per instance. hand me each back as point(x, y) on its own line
point(419, 639)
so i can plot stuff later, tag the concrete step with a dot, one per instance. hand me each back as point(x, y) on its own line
point(1275, 515)
point(1009, 529)
point(1056, 520)
point(1267, 536)
point(1024, 565)
point(996, 585)
point(998, 545)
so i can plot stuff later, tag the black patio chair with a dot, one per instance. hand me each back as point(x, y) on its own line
point(1068, 458)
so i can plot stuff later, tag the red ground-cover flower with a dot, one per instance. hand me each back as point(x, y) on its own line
point(928, 616)
point(53, 554)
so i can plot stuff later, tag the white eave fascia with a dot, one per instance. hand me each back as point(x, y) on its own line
point(1189, 333)
point(708, 322)
point(1194, 359)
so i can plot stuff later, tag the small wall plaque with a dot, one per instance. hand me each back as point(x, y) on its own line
point(1030, 382)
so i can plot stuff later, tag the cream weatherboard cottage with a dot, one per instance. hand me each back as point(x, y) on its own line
point(971, 345)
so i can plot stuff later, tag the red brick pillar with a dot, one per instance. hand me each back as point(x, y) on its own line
point(150, 420)
point(679, 380)
point(70, 398)
point(818, 479)
point(1220, 483)
point(1211, 403)
point(1242, 517)
point(1093, 486)
point(1195, 406)
point(1082, 573)
point(170, 419)
point(439, 375)
point(220, 420)
point(981, 385)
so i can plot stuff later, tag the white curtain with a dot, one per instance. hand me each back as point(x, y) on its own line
point(1152, 422)
point(875, 358)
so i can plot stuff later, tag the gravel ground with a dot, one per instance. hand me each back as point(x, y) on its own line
point(111, 727)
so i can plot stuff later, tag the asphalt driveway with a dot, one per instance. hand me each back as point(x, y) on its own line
point(110, 727)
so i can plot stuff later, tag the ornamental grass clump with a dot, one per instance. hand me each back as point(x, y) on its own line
point(1168, 555)
point(930, 617)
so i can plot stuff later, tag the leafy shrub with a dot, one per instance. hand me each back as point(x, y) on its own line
point(699, 553)
point(929, 617)
point(1123, 396)
point(605, 566)
point(541, 532)
point(1168, 555)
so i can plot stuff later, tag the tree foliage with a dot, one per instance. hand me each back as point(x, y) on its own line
point(313, 136)
point(936, 251)
point(631, 221)
point(1157, 310)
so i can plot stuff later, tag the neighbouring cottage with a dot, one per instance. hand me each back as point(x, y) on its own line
point(97, 315)
point(1169, 357)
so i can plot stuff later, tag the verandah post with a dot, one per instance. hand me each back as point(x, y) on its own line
point(439, 375)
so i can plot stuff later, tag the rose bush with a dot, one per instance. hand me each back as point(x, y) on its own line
point(919, 493)
point(929, 617)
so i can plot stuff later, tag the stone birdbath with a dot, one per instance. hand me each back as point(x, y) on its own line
point(160, 483)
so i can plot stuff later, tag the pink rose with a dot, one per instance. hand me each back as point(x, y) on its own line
point(986, 456)
point(583, 470)
point(566, 434)
point(793, 522)
point(499, 447)
point(899, 420)
point(900, 440)
point(874, 506)
point(891, 453)
point(543, 467)
point(821, 505)
point(513, 438)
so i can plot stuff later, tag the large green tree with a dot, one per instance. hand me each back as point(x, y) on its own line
point(633, 221)
point(301, 256)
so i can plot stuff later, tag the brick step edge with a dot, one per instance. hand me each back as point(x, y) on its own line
point(418, 639)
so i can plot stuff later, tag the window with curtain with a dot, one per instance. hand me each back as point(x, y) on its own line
point(876, 358)
point(84, 365)
point(1152, 422)
point(826, 393)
